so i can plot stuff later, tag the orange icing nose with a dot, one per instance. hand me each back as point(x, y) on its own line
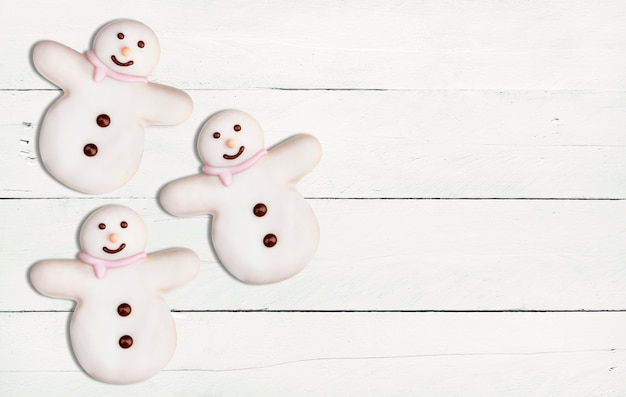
point(231, 143)
point(126, 51)
point(113, 237)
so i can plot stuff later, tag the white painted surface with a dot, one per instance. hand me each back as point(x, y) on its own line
point(471, 198)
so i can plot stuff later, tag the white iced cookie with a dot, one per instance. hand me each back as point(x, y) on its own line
point(122, 331)
point(92, 137)
point(263, 230)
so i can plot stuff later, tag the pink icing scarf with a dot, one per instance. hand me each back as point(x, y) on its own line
point(101, 71)
point(100, 266)
point(226, 173)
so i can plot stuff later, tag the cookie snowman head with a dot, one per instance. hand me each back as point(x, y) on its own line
point(127, 46)
point(113, 232)
point(230, 138)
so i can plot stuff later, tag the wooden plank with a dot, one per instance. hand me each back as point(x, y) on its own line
point(432, 44)
point(434, 144)
point(373, 255)
point(433, 354)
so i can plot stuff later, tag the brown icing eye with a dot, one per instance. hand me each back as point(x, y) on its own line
point(120, 36)
point(237, 127)
point(124, 224)
point(102, 226)
point(141, 44)
point(217, 135)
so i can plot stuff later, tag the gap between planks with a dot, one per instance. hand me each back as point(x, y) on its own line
point(357, 198)
point(364, 89)
point(355, 311)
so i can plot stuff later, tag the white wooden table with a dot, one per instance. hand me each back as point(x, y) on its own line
point(471, 197)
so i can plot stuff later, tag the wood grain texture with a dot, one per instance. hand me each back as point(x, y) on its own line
point(471, 197)
point(516, 354)
point(400, 255)
point(455, 44)
point(402, 144)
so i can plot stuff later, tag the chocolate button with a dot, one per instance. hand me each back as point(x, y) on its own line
point(124, 309)
point(90, 150)
point(270, 240)
point(260, 210)
point(126, 341)
point(103, 120)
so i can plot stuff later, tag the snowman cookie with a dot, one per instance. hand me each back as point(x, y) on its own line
point(122, 331)
point(263, 231)
point(92, 137)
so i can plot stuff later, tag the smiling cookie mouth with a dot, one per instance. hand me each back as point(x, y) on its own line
point(234, 156)
point(115, 251)
point(118, 63)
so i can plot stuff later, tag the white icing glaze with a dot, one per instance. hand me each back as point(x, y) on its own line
point(96, 327)
point(237, 233)
point(71, 121)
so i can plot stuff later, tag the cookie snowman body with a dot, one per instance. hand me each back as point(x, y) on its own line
point(85, 155)
point(92, 137)
point(124, 336)
point(121, 330)
point(263, 231)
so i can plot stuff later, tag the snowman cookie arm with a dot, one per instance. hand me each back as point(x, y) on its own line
point(58, 63)
point(295, 157)
point(59, 278)
point(164, 105)
point(189, 196)
point(173, 267)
